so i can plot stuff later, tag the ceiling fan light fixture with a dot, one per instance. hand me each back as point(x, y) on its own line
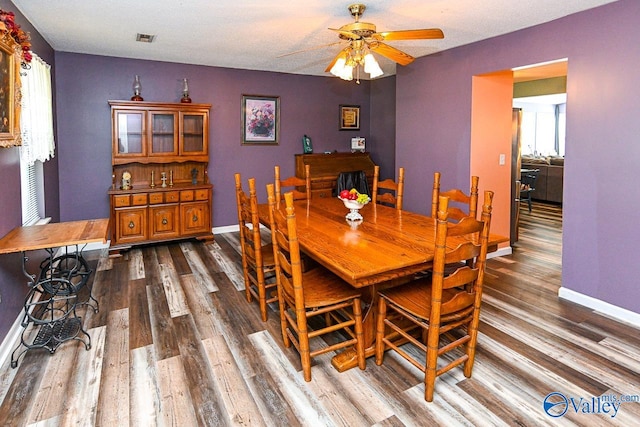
point(337, 68)
point(371, 66)
point(347, 73)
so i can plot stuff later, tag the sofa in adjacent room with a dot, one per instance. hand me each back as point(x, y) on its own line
point(550, 177)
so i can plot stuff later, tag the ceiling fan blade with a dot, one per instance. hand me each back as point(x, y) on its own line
point(347, 34)
point(432, 33)
point(341, 54)
point(392, 53)
point(311, 48)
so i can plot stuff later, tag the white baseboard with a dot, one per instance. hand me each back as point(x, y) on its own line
point(500, 252)
point(226, 229)
point(11, 340)
point(609, 310)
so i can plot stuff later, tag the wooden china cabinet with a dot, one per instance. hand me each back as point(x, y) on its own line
point(160, 189)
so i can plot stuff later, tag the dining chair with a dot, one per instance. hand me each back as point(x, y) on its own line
point(458, 197)
point(392, 191)
point(352, 179)
point(293, 184)
point(439, 314)
point(528, 180)
point(303, 295)
point(258, 265)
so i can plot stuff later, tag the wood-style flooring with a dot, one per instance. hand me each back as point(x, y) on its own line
point(176, 344)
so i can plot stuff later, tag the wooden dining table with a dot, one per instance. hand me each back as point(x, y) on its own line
point(384, 249)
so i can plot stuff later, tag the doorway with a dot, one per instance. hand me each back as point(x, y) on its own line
point(539, 111)
point(491, 137)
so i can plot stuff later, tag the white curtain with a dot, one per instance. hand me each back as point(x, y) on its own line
point(36, 119)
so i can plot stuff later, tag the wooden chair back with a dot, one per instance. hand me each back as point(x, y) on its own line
point(449, 298)
point(305, 294)
point(466, 282)
point(286, 248)
point(256, 258)
point(457, 199)
point(300, 187)
point(392, 192)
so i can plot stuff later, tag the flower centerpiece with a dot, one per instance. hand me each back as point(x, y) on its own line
point(262, 121)
point(9, 28)
point(354, 201)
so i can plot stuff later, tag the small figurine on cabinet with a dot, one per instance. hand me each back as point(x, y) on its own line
point(163, 178)
point(194, 176)
point(126, 180)
point(307, 148)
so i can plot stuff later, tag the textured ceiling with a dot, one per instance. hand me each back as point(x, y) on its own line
point(253, 35)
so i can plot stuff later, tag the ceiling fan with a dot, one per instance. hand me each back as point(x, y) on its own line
point(364, 39)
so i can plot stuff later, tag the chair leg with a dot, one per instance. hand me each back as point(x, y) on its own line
point(305, 350)
point(529, 200)
point(382, 313)
point(262, 298)
point(283, 319)
point(433, 342)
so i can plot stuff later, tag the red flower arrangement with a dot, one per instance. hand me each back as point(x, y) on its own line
point(9, 26)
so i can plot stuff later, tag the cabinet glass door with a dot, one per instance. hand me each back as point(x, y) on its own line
point(163, 134)
point(130, 133)
point(193, 139)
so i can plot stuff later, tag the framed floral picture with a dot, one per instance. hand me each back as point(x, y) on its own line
point(349, 117)
point(260, 119)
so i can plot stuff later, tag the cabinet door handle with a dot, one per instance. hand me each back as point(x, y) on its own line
point(164, 221)
point(195, 218)
point(131, 224)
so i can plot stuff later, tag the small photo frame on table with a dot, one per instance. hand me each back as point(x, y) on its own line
point(357, 144)
point(349, 117)
point(260, 120)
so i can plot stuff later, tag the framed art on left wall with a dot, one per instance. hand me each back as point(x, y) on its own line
point(260, 119)
point(9, 94)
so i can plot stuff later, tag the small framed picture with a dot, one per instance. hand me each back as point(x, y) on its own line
point(357, 144)
point(260, 119)
point(349, 117)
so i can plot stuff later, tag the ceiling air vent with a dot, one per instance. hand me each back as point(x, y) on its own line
point(145, 38)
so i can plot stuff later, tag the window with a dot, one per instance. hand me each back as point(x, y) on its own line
point(543, 128)
point(36, 126)
point(32, 192)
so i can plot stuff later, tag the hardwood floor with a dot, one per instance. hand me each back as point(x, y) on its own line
point(175, 343)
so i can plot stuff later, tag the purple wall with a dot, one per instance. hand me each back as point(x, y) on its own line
point(600, 198)
point(308, 105)
point(382, 141)
point(12, 282)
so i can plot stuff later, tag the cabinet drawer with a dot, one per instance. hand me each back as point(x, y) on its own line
point(324, 193)
point(139, 199)
point(164, 222)
point(323, 184)
point(171, 197)
point(202, 194)
point(195, 218)
point(186, 196)
point(155, 198)
point(131, 225)
point(120, 201)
